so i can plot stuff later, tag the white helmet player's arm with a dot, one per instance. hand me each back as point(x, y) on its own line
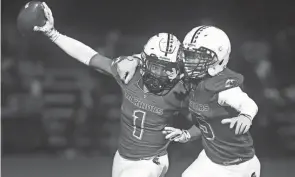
point(238, 100)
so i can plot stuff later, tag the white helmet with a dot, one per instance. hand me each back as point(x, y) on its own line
point(206, 49)
point(161, 53)
point(164, 46)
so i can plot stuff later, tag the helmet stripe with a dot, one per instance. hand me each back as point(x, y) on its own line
point(197, 32)
point(168, 44)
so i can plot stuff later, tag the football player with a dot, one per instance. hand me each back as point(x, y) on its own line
point(215, 94)
point(152, 97)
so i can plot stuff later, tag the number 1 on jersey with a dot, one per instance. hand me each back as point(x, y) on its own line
point(138, 123)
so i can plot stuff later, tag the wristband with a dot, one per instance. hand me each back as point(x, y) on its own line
point(247, 116)
point(53, 34)
point(186, 135)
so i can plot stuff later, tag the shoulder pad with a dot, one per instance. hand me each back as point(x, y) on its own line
point(138, 56)
point(130, 58)
point(225, 80)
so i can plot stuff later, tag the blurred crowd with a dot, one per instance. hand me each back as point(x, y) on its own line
point(52, 103)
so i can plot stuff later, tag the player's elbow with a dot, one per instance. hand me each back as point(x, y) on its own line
point(94, 59)
point(249, 107)
point(101, 63)
point(254, 106)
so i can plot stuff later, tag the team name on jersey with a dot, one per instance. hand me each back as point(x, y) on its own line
point(138, 103)
point(198, 107)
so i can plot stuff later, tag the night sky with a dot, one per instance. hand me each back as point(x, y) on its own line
point(141, 16)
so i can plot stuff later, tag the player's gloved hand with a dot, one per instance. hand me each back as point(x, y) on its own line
point(177, 135)
point(126, 68)
point(48, 29)
point(242, 122)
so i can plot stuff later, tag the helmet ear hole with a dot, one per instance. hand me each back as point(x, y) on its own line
point(214, 70)
point(211, 71)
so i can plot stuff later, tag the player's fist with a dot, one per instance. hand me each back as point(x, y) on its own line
point(49, 25)
point(48, 29)
point(242, 122)
point(126, 68)
point(177, 135)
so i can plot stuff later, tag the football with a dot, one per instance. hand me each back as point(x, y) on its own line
point(30, 15)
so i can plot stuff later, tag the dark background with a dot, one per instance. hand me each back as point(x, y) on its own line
point(61, 118)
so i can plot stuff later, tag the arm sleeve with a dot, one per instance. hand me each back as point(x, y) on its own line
point(238, 100)
point(75, 49)
point(84, 53)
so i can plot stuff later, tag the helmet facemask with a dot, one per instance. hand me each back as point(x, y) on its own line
point(198, 61)
point(159, 76)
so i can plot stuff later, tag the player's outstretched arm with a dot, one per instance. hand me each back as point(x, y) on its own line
point(80, 51)
point(182, 136)
point(240, 101)
point(73, 47)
